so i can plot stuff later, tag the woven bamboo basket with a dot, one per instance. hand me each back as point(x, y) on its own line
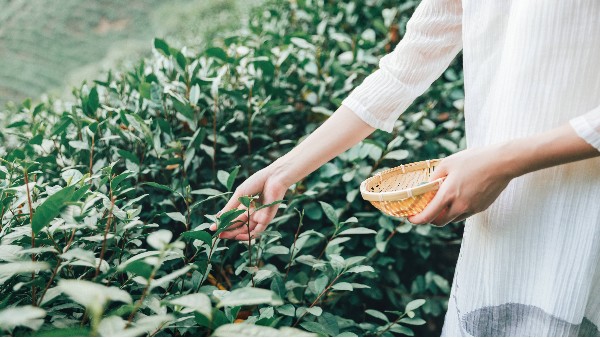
point(404, 190)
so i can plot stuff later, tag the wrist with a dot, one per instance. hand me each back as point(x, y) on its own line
point(513, 156)
point(281, 172)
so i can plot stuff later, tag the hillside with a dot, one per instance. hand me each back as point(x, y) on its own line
point(49, 48)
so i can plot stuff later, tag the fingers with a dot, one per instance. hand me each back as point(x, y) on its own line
point(234, 233)
point(239, 224)
point(233, 203)
point(253, 233)
point(439, 172)
point(265, 215)
point(432, 210)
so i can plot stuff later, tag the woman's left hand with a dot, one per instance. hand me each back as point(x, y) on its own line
point(474, 178)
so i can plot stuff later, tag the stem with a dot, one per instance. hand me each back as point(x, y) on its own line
point(91, 156)
point(106, 229)
point(144, 293)
point(379, 333)
point(317, 299)
point(287, 271)
point(249, 246)
point(214, 163)
point(26, 175)
point(249, 129)
point(70, 241)
point(54, 272)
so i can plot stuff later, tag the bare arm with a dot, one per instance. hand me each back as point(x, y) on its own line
point(469, 189)
point(342, 130)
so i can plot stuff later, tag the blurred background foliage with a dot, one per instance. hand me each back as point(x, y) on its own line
point(139, 160)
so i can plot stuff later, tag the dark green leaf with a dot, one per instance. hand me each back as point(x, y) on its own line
point(330, 212)
point(140, 268)
point(50, 208)
point(199, 235)
point(162, 46)
point(232, 177)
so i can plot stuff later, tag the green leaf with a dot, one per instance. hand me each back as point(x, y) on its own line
point(245, 200)
point(315, 327)
point(162, 46)
point(139, 268)
point(28, 316)
point(250, 296)
point(159, 238)
point(357, 231)
point(252, 330)
point(397, 155)
point(360, 269)
point(231, 177)
point(269, 204)
point(207, 191)
point(177, 216)
point(181, 60)
point(145, 90)
point(414, 304)
point(226, 218)
point(197, 302)
point(64, 332)
point(199, 235)
point(377, 314)
point(92, 295)
point(412, 321)
point(321, 283)
point(93, 101)
point(50, 208)
point(159, 186)
point(330, 213)
point(184, 108)
point(397, 328)
point(114, 183)
point(343, 286)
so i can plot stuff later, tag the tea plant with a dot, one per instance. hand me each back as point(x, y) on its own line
point(106, 200)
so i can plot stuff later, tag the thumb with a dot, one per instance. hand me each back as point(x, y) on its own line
point(265, 215)
point(439, 172)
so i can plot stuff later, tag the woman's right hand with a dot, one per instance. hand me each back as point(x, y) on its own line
point(269, 189)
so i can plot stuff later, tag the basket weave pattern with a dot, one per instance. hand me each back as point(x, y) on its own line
point(402, 191)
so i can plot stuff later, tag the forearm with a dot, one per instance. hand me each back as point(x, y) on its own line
point(554, 147)
point(342, 130)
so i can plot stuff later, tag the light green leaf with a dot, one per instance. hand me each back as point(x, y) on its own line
point(342, 286)
point(251, 330)
point(360, 269)
point(28, 316)
point(278, 250)
point(398, 155)
point(196, 302)
point(377, 314)
point(159, 238)
point(250, 296)
point(321, 283)
point(414, 304)
point(357, 231)
point(177, 216)
point(10, 269)
point(91, 295)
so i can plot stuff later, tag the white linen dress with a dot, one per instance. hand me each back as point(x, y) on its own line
point(529, 265)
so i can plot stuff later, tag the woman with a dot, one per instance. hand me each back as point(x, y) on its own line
point(528, 183)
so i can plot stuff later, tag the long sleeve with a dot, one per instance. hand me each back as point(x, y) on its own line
point(432, 40)
point(587, 126)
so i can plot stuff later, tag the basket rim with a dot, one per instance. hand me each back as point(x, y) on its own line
point(402, 194)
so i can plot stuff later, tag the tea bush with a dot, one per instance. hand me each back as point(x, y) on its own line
point(106, 200)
